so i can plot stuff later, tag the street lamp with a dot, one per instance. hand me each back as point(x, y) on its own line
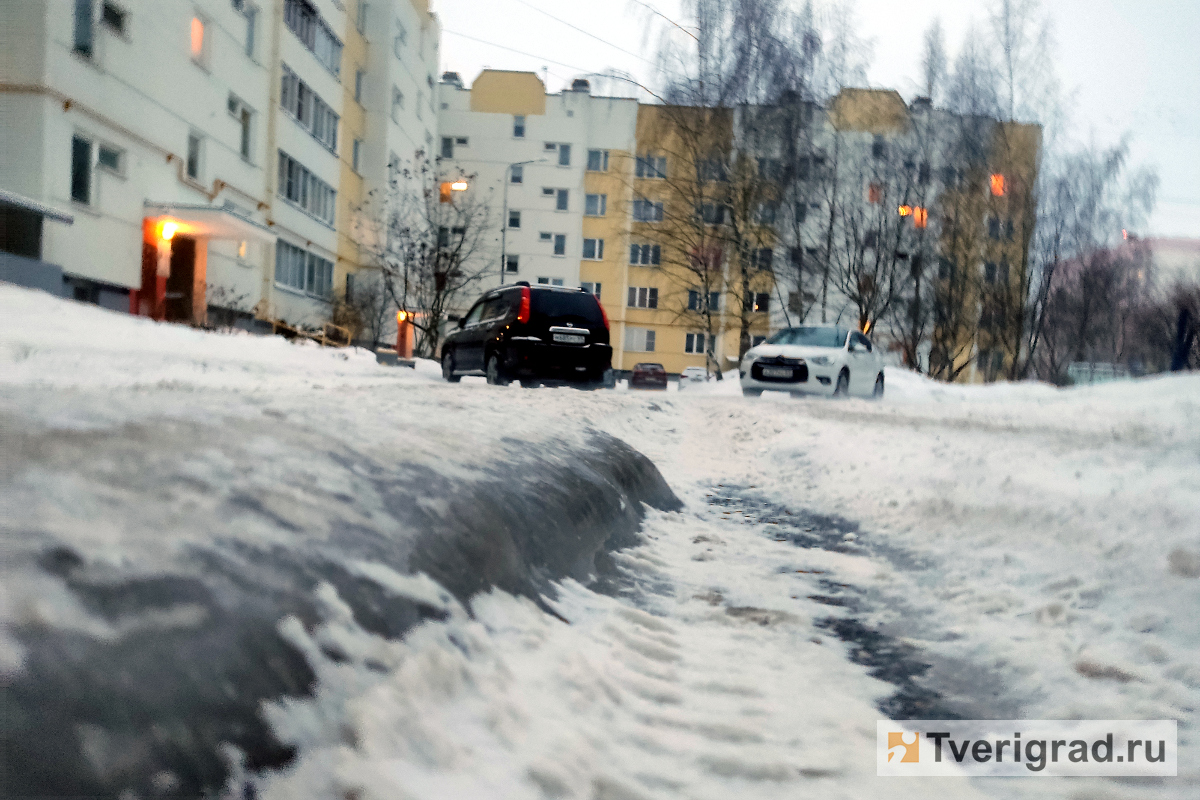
point(504, 215)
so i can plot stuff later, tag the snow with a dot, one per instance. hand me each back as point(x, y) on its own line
point(1040, 547)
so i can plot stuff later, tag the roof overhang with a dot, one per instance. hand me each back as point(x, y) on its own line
point(14, 200)
point(208, 222)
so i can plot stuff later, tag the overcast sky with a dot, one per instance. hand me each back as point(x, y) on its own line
point(1128, 65)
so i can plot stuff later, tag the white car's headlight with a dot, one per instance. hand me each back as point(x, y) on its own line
point(821, 361)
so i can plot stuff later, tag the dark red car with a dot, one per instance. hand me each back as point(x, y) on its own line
point(648, 376)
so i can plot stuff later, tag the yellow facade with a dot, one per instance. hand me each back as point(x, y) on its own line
point(351, 188)
point(498, 91)
point(671, 321)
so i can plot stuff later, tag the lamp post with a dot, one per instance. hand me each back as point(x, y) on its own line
point(504, 215)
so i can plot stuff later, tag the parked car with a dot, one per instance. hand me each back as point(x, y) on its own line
point(823, 359)
point(692, 375)
point(648, 376)
point(534, 334)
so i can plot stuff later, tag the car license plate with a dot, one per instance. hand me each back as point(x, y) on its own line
point(566, 338)
point(777, 372)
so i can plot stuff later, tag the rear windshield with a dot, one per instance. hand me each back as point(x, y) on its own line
point(810, 337)
point(578, 305)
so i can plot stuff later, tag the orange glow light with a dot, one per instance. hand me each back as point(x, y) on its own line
point(197, 37)
point(999, 187)
point(921, 217)
point(168, 231)
point(906, 211)
point(401, 316)
point(459, 186)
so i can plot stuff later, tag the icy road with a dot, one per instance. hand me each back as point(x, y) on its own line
point(731, 629)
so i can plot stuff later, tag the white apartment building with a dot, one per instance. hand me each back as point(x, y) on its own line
point(528, 153)
point(212, 152)
point(128, 114)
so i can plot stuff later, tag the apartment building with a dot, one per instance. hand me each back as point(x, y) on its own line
point(932, 207)
point(145, 122)
point(574, 184)
point(215, 153)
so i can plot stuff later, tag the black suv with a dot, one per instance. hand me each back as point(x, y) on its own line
point(534, 334)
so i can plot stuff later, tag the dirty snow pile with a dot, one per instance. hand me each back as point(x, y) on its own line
point(1038, 549)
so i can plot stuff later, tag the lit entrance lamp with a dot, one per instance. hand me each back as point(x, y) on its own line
point(446, 190)
point(404, 338)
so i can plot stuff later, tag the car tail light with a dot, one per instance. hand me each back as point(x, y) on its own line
point(523, 311)
point(603, 314)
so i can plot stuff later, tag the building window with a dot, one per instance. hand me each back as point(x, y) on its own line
point(593, 249)
point(651, 167)
point(194, 147)
point(510, 263)
point(514, 219)
point(198, 40)
point(693, 343)
point(361, 21)
point(397, 104)
point(547, 191)
point(639, 340)
point(359, 77)
point(597, 161)
point(358, 155)
point(303, 20)
point(879, 148)
point(643, 297)
point(306, 190)
point(875, 193)
point(560, 244)
point(84, 29)
point(770, 169)
point(550, 281)
point(993, 225)
point(517, 175)
point(110, 158)
point(711, 213)
point(591, 288)
point(762, 258)
point(546, 237)
point(560, 203)
point(81, 170)
point(564, 155)
point(999, 185)
point(250, 12)
point(995, 273)
point(696, 301)
point(242, 115)
point(113, 17)
point(711, 170)
point(596, 205)
point(314, 114)
point(303, 271)
point(461, 141)
point(645, 255)
point(447, 147)
point(801, 213)
point(647, 211)
point(758, 303)
point(519, 126)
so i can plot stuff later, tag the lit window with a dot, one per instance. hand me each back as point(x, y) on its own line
point(999, 185)
point(197, 38)
point(921, 217)
point(906, 211)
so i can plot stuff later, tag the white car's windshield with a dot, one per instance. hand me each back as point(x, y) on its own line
point(810, 337)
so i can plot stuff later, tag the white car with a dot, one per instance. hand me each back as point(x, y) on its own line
point(824, 360)
point(692, 375)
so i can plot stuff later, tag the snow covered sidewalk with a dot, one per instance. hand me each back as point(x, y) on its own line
point(1039, 548)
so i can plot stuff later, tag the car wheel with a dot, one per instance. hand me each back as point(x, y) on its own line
point(752, 392)
point(878, 393)
point(843, 384)
point(448, 367)
point(495, 375)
